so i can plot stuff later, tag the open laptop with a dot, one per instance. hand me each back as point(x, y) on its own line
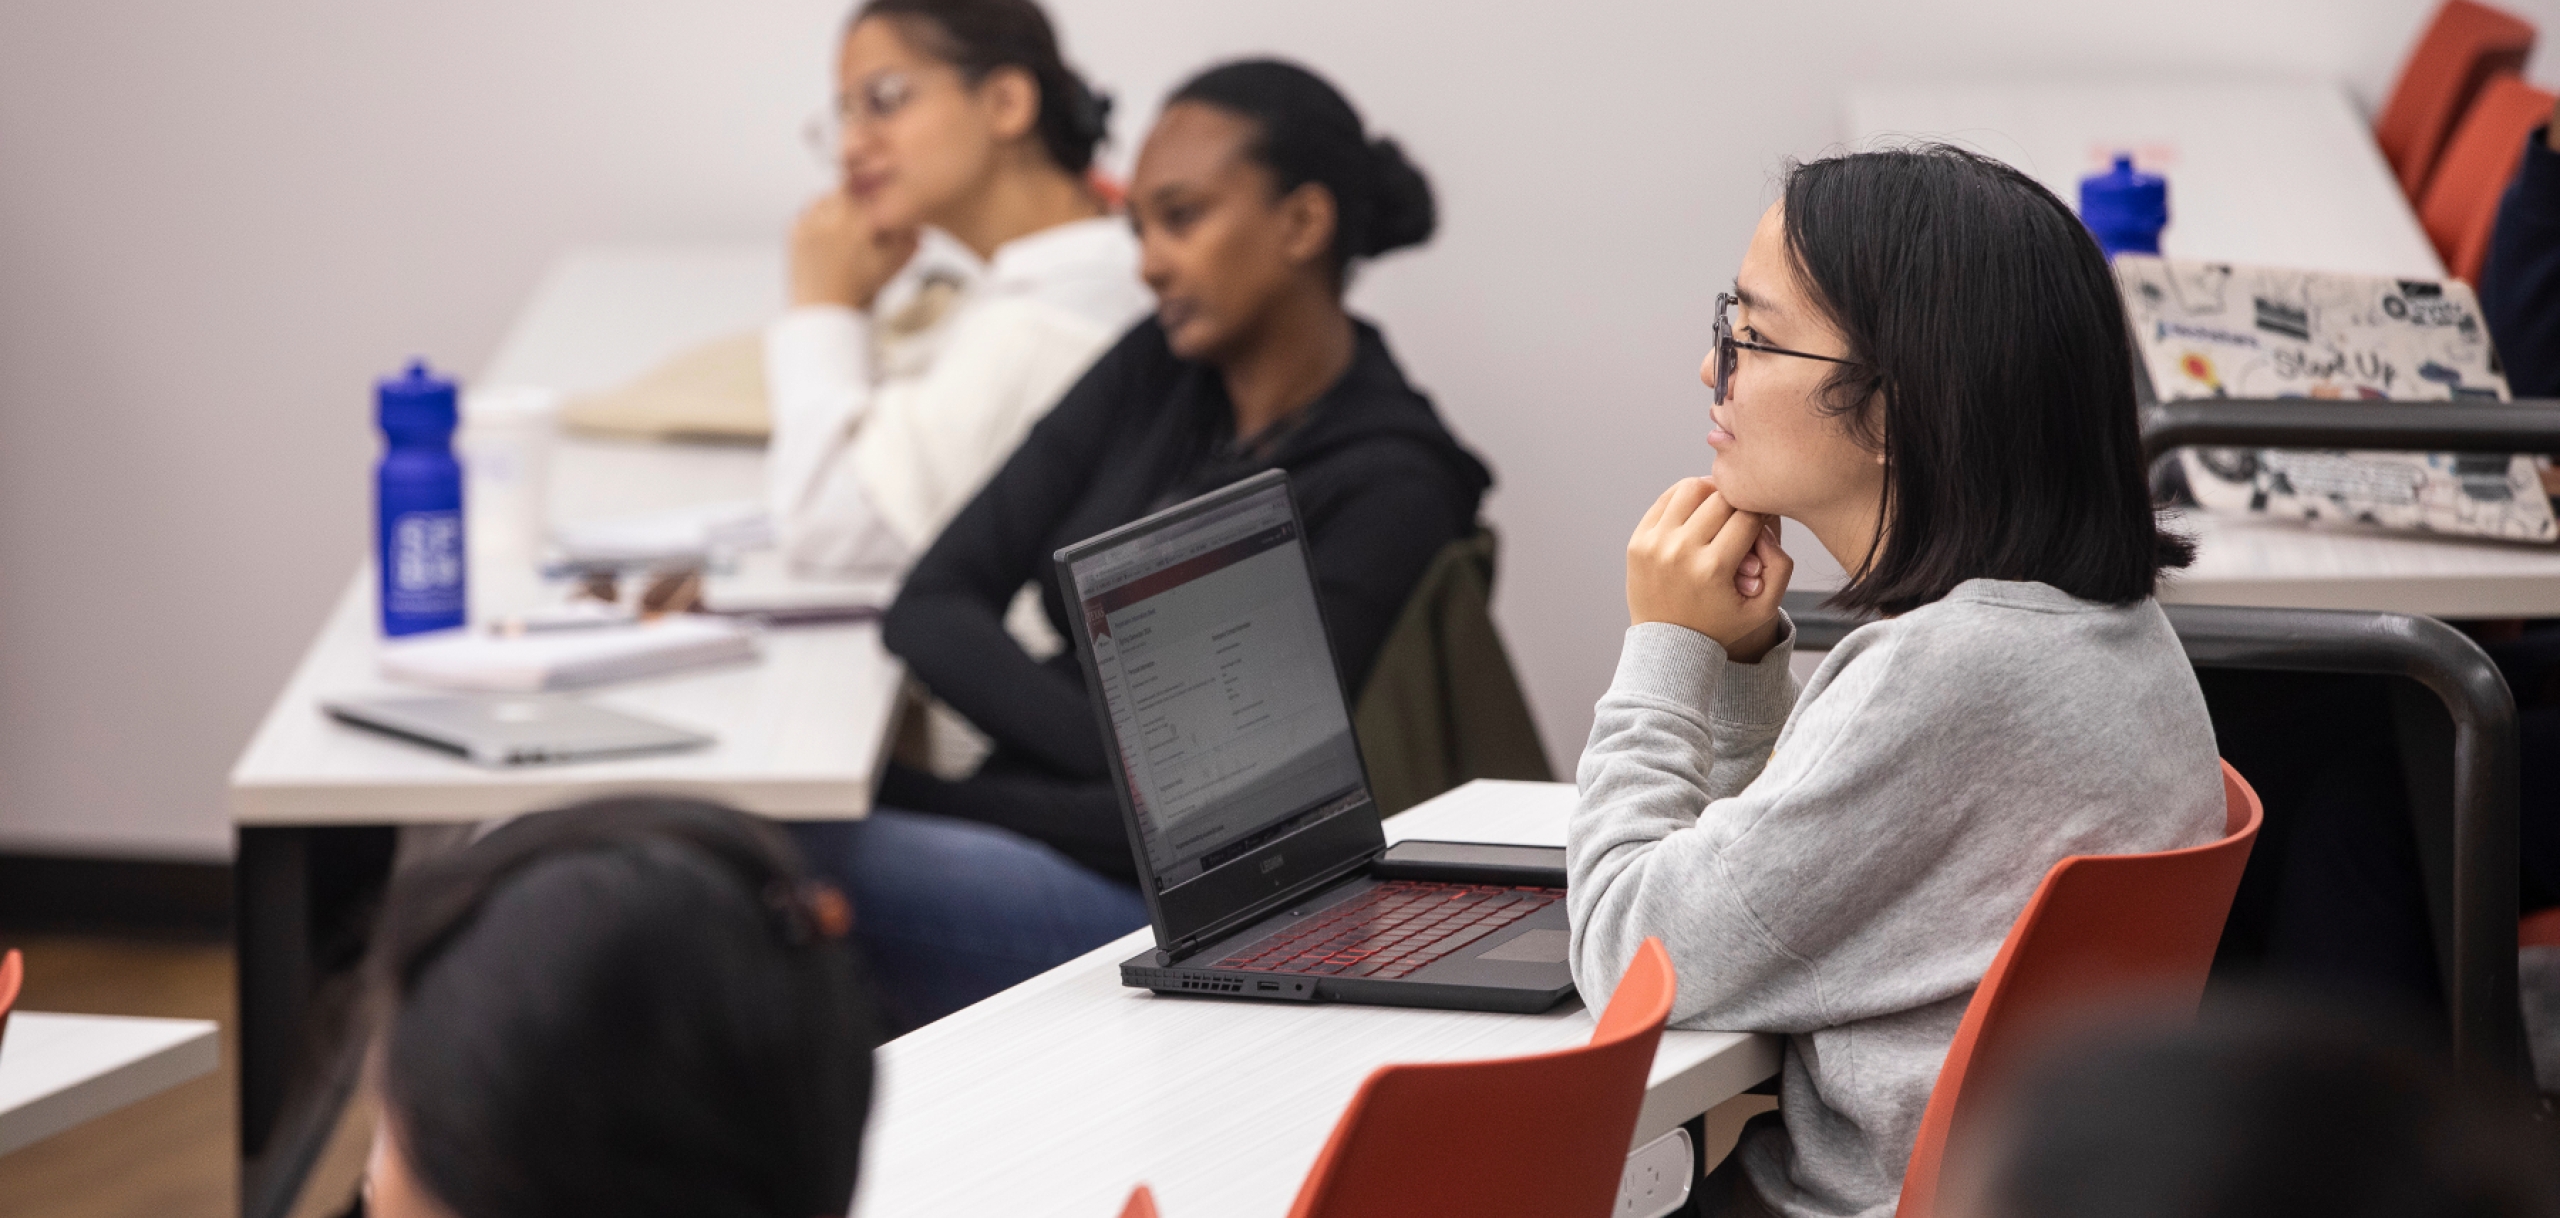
point(1257, 845)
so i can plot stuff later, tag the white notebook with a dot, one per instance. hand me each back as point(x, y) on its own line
point(566, 659)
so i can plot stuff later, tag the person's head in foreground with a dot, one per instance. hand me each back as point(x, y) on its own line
point(2265, 1110)
point(1256, 191)
point(1924, 360)
point(636, 1006)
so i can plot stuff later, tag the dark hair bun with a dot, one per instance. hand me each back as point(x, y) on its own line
point(1401, 210)
point(1093, 116)
point(1307, 132)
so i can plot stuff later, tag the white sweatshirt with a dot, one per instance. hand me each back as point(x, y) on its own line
point(873, 451)
point(1842, 867)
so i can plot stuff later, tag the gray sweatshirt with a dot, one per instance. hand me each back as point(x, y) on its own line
point(1841, 867)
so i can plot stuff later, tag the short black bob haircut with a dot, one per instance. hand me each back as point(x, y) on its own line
point(637, 1006)
point(1306, 131)
point(1982, 310)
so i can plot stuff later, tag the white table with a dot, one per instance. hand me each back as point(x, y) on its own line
point(2280, 174)
point(1070, 1088)
point(57, 1071)
point(800, 734)
point(2291, 565)
point(2270, 173)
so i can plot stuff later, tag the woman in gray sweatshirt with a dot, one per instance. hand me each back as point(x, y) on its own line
point(1923, 361)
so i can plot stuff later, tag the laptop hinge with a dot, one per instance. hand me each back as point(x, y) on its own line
point(1263, 909)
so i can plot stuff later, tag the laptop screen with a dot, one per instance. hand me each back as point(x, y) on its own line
point(1220, 691)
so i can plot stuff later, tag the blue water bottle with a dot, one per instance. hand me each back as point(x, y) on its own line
point(418, 504)
point(2125, 208)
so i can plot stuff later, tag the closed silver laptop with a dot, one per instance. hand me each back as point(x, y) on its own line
point(514, 729)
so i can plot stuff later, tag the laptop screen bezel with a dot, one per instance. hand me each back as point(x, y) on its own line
point(1276, 872)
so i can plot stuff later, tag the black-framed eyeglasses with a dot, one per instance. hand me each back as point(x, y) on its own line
point(1727, 345)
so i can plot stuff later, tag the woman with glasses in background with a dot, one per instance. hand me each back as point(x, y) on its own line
point(892, 404)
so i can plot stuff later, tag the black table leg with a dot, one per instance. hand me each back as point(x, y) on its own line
point(273, 921)
point(304, 903)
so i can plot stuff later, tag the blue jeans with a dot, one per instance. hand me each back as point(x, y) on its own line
point(950, 911)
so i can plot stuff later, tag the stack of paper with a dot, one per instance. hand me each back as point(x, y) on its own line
point(761, 585)
point(566, 659)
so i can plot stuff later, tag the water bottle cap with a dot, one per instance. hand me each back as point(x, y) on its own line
point(2124, 200)
point(416, 400)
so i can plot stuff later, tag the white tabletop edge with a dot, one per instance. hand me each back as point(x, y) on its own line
point(1135, 1066)
point(269, 787)
point(58, 1071)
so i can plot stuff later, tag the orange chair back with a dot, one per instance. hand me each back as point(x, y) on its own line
point(2539, 929)
point(1114, 194)
point(2460, 208)
point(2462, 50)
point(2138, 926)
point(1533, 1137)
point(13, 974)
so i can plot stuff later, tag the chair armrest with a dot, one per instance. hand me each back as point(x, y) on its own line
point(2470, 426)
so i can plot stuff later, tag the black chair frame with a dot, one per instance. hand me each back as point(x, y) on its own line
point(2467, 848)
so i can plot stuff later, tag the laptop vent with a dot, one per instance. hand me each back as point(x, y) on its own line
point(1212, 985)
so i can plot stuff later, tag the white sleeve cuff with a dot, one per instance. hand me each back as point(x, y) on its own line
point(814, 354)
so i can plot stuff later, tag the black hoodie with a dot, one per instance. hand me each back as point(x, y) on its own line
point(1380, 484)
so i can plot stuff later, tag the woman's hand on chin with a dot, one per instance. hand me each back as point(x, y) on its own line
point(839, 257)
point(1698, 562)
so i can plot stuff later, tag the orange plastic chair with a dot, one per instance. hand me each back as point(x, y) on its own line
point(13, 974)
point(1544, 1136)
point(1114, 194)
point(2099, 927)
point(2539, 930)
point(2464, 47)
point(2460, 208)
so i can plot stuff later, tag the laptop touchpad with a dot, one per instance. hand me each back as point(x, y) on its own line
point(1533, 947)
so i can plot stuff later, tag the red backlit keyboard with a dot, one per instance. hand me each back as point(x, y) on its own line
point(1392, 929)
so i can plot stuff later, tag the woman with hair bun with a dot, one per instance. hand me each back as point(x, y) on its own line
point(1254, 197)
point(893, 395)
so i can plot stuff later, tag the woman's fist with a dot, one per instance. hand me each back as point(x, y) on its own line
point(1697, 562)
point(838, 257)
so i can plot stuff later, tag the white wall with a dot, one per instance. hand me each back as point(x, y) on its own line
point(217, 223)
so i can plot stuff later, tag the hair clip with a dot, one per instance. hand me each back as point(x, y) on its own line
point(830, 911)
point(809, 910)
